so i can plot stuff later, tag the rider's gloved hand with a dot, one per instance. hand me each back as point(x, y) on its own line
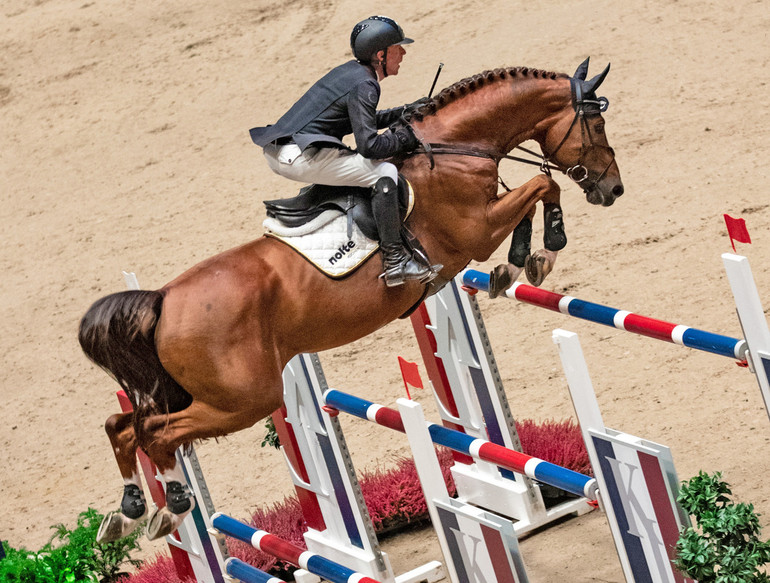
point(410, 107)
point(406, 137)
point(419, 102)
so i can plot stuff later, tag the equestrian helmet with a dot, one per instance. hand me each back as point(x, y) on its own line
point(374, 34)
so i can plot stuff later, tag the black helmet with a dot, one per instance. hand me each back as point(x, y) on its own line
point(375, 34)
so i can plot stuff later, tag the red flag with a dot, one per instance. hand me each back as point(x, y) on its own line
point(736, 228)
point(410, 374)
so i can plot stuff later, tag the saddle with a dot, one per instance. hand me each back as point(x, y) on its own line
point(354, 201)
point(312, 211)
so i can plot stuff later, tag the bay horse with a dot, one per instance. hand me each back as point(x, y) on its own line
point(202, 357)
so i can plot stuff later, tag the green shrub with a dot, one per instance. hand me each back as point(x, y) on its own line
point(724, 547)
point(271, 437)
point(70, 556)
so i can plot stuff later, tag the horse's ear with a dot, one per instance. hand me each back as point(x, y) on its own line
point(592, 85)
point(582, 70)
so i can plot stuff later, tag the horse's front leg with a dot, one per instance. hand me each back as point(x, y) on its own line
point(503, 276)
point(540, 263)
point(133, 507)
point(537, 265)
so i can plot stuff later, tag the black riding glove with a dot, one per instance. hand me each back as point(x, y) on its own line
point(415, 105)
point(406, 137)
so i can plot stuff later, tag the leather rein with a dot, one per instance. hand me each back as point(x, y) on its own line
point(578, 173)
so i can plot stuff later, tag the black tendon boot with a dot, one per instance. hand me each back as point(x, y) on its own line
point(520, 242)
point(554, 237)
point(399, 264)
point(502, 276)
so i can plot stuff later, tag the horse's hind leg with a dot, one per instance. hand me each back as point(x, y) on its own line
point(198, 421)
point(133, 507)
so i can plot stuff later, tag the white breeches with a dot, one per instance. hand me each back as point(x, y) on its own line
point(330, 166)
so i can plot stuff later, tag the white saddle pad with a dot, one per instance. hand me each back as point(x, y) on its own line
point(324, 242)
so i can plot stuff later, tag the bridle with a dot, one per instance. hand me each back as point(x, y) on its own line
point(584, 106)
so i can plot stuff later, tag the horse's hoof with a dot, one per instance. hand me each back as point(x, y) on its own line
point(538, 266)
point(163, 522)
point(116, 525)
point(501, 278)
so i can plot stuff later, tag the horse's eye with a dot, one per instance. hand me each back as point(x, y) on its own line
point(599, 129)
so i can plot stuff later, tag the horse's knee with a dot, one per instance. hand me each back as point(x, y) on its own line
point(551, 190)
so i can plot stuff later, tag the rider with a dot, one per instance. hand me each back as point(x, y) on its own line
point(305, 143)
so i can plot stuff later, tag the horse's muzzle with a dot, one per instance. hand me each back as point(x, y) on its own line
point(600, 195)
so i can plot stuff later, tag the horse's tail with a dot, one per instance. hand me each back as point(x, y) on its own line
point(118, 334)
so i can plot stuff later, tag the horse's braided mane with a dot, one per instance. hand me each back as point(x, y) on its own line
point(470, 84)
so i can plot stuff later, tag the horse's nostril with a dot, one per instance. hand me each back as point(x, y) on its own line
point(618, 190)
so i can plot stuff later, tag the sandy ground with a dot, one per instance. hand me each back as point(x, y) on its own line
point(125, 146)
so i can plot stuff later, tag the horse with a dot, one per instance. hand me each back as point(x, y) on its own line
point(202, 357)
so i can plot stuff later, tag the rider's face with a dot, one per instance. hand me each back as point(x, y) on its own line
point(393, 56)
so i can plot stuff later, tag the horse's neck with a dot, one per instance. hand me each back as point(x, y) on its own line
point(500, 115)
point(453, 220)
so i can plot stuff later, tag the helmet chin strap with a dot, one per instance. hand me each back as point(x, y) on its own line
point(384, 63)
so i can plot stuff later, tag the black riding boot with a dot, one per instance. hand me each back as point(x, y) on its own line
point(399, 264)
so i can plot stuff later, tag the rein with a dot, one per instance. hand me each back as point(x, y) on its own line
point(577, 173)
point(544, 165)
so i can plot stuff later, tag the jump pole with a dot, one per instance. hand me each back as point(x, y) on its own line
point(543, 471)
point(248, 574)
point(615, 318)
point(286, 551)
point(754, 350)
